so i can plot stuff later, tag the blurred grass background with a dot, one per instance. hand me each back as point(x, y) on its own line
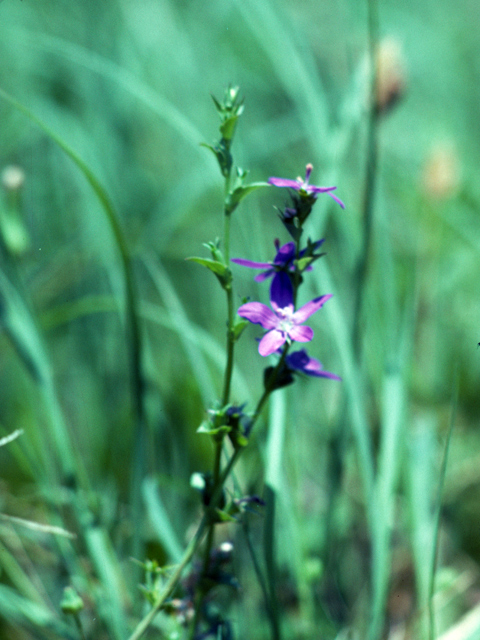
point(356, 466)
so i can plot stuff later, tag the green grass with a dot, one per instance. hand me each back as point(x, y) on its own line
point(112, 345)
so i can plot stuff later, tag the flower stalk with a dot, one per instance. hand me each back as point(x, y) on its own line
point(284, 324)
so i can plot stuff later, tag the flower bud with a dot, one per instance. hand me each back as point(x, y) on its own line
point(13, 178)
point(12, 229)
point(390, 71)
point(71, 602)
point(441, 172)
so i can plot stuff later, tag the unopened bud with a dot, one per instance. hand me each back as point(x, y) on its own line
point(226, 547)
point(441, 173)
point(71, 602)
point(13, 178)
point(391, 76)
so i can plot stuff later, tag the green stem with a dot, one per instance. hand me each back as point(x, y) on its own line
point(270, 385)
point(229, 292)
point(230, 348)
point(269, 554)
point(220, 477)
point(226, 232)
point(210, 536)
point(217, 481)
point(171, 583)
point(79, 626)
point(436, 517)
point(370, 175)
point(211, 527)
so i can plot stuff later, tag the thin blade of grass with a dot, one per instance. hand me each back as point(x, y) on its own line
point(274, 480)
point(176, 310)
point(436, 519)
point(352, 381)
point(11, 437)
point(467, 628)
point(303, 86)
point(19, 326)
point(274, 475)
point(16, 575)
point(115, 73)
point(24, 612)
point(160, 520)
point(111, 600)
point(134, 342)
point(389, 464)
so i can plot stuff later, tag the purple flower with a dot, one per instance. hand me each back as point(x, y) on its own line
point(283, 261)
point(303, 186)
point(283, 323)
point(301, 361)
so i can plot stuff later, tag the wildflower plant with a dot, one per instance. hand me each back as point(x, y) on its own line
point(229, 424)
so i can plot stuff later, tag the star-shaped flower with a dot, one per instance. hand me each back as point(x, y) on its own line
point(283, 323)
point(302, 186)
point(283, 261)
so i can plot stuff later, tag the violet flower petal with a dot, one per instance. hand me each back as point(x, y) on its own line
point(308, 309)
point(283, 182)
point(271, 341)
point(281, 292)
point(340, 202)
point(285, 254)
point(301, 334)
point(300, 361)
point(258, 313)
point(251, 264)
point(302, 185)
point(313, 189)
point(264, 275)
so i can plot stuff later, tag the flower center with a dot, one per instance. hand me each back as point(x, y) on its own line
point(285, 319)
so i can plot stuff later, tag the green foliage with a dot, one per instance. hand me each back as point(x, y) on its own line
point(112, 345)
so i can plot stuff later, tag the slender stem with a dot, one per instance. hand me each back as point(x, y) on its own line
point(270, 385)
point(229, 292)
point(171, 583)
point(209, 542)
point(370, 174)
point(211, 528)
point(218, 480)
point(378, 593)
point(270, 565)
point(257, 569)
point(220, 477)
point(226, 233)
point(230, 348)
point(436, 517)
point(79, 626)
point(296, 276)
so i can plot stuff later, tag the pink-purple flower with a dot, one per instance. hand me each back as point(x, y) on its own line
point(303, 186)
point(283, 261)
point(283, 323)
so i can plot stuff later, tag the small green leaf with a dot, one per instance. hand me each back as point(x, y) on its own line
point(213, 247)
point(217, 267)
point(206, 427)
point(223, 155)
point(303, 263)
point(239, 440)
point(240, 192)
point(223, 516)
point(238, 328)
point(218, 106)
point(227, 128)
